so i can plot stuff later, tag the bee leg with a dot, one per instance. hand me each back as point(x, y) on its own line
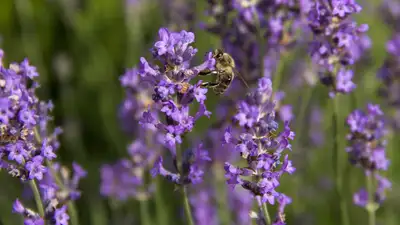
point(209, 84)
point(208, 72)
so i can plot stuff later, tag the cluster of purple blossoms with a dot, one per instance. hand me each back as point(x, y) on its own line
point(252, 22)
point(172, 96)
point(389, 74)
point(367, 150)
point(238, 201)
point(56, 193)
point(390, 11)
point(206, 213)
point(338, 42)
point(137, 100)
point(126, 178)
point(262, 147)
point(26, 147)
point(204, 210)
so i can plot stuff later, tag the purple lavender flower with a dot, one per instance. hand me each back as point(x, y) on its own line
point(205, 213)
point(338, 42)
point(30, 217)
point(27, 148)
point(191, 172)
point(259, 27)
point(172, 97)
point(240, 203)
point(126, 178)
point(261, 146)
point(20, 113)
point(390, 11)
point(367, 149)
point(316, 128)
point(137, 100)
point(388, 74)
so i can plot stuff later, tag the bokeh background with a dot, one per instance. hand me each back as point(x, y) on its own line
point(81, 47)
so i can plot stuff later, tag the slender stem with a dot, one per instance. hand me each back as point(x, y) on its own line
point(220, 187)
point(73, 213)
point(371, 207)
point(162, 216)
point(266, 213)
point(188, 211)
point(299, 128)
point(186, 204)
point(144, 213)
point(390, 216)
point(37, 197)
point(337, 163)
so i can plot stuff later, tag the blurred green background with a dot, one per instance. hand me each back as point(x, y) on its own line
point(81, 47)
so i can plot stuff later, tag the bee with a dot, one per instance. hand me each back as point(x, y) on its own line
point(225, 72)
point(6, 138)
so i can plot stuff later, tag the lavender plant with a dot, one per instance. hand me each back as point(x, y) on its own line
point(263, 150)
point(389, 75)
point(173, 97)
point(254, 31)
point(338, 42)
point(367, 150)
point(126, 178)
point(27, 149)
point(390, 11)
point(229, 206)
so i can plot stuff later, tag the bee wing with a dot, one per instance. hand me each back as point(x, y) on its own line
point(241, 77)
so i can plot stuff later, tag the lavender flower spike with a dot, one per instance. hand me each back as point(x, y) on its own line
point(338, 42)
point(262, 147)
point(26, 144)
point(389, 75)
point(172, 97)
point(367, 150)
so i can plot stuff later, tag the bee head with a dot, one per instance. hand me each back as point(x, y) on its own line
point(223, 58)
point(217, 54)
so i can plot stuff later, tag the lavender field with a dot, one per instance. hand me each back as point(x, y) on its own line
point(195, 112)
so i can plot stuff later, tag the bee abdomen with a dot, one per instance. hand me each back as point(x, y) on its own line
point(221, 88)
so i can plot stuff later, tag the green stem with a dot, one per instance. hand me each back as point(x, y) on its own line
point(371, 207)
point(162, 216)
point(337, 163)
point(186, 203)
point(144, 213)
point(278, 75)
point(188, 211)
point(73, 213)
point(38, 199)
point(266, 213)
point(390, 216)
point(299, 128)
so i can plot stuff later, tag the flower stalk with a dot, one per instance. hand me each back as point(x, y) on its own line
point(186, 204)
point(266, 213)
point(371, 206)
point(38, 199)
point(73, 213)
point(337, 163)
